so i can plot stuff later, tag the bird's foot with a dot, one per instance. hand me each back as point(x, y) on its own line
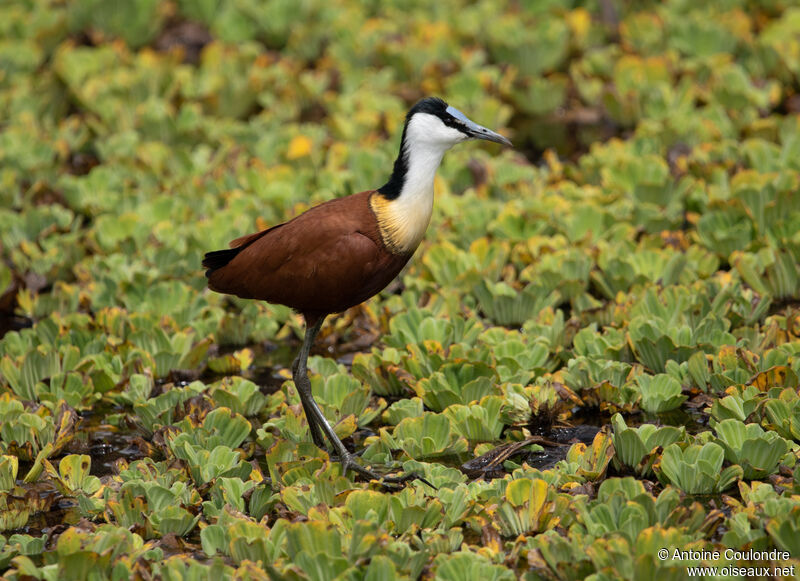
point(348, 462)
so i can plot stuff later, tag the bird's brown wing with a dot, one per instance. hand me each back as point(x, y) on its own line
point(325, 260)
point(250, 238)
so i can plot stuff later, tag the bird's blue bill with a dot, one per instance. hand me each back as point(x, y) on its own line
point(478, 131)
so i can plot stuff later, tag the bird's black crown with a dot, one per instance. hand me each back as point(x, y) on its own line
point(432, 105)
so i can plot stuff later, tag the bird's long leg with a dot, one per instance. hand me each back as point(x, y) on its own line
point(300, 376)
point(316, 419)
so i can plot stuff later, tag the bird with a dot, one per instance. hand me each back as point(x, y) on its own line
point(341, 252)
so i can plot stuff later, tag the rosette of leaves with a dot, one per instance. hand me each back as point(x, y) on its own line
point(252, 322)
point(416, 326)
point(758, 452)
point(637, 448)
point(450, 266)
point(660, 393)
point(73, 479)
point(456, 383)
point(588, 462)
point(318, 547)
point(156, 412)
point(109, 547)
point(541, 95)
point(763, 508)
point(660, 329)
point(609, 343)
point(427, 436)
point(220, 427)
point(725, 228)
point(229, 79)
point(624, 266)
point(777, 376)
point(507, 38)
point(163, 353)
point(137, 24)
point(45, 374)
point(602, 382)
point(728, 366)
point(26, 435)
point(232, 492)
point(73, 475)
point(756, 400)
point(742, 531)
point(153, 500)
point(243, 539)
point(739, 403)
point(379, 370)
point(16, 503)
point(770, 271)
point(412, 510)
point(521, 403)
point(171, 509)
point(622, 506)
point(343, 398)
point(696, 468)
point(438, 542)
point(423, 360)
point(172, 519)
point(310, 485)
point(138, 390)
point(240, 395)
point(479, 422)
point(209, 449)
point(518, 361)
point(506, 306)
point(150, 301)
point(527, 507)
point(129, 510)
point(18, 544)
point(565, 557)
point(231, 363)
point(784, 529)
point(9, 467)
point(654, 344)
point(367, 505)
point(469, 565)
point(206, 465)
point(783, 414)
point(16, 509)
point(401, 409)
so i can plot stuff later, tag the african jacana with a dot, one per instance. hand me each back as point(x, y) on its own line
point(341, 252)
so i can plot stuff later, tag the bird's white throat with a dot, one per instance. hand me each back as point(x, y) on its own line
point(404, 220)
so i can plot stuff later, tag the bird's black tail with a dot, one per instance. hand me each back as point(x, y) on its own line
point(219, 258)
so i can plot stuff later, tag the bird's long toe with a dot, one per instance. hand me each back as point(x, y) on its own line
point(349, 462)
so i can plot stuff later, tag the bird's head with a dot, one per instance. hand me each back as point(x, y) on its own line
point(435, 123)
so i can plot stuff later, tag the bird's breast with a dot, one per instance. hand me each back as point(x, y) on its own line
point(402, 222)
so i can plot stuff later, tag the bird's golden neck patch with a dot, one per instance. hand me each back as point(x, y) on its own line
point(402, 222)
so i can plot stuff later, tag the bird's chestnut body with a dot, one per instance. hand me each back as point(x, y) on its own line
point(326, 260)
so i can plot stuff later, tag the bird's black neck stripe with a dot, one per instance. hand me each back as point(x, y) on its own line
point(391, 189)
point(431, 105)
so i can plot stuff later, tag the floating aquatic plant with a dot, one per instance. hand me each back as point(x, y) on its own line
point(697, 469)
point(748, 445)
point(637, 252)
point(637, 448)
